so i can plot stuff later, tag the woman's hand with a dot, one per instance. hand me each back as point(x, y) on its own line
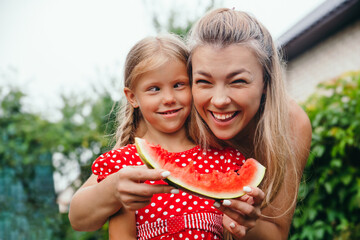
point(240, 214)
point(132, 192)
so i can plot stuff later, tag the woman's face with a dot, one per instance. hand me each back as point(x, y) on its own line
point(227, 87)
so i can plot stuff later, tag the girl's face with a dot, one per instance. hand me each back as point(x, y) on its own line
point(163, 96)
point(227, 87)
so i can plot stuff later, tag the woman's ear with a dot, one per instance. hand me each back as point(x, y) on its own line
point(130, 96)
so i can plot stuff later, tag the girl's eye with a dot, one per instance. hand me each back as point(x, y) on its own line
point(153, 89)
point(179, 84)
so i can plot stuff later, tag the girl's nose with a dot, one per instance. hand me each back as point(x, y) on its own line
point(220, 99)
point(169, 98)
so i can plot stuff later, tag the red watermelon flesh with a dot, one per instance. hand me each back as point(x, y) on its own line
point(214, 185)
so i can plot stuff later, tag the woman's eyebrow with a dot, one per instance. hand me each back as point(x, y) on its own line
point(203, 73)
point(230, 75)
point(236, 72)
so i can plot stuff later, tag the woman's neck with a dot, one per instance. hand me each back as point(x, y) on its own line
point(173, 142)
point(244, 141)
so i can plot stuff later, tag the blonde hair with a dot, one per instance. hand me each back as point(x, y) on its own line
point(146, 55)
point(272, 140)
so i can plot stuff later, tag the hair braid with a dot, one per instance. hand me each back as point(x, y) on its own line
point(128, 119)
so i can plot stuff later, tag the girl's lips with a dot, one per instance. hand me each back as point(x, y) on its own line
point(223, 117)
point(169, 112)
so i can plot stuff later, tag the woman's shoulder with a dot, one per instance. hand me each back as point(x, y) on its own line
point(301, 130)
point(301, 122)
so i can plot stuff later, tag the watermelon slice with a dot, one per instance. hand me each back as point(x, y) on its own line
point(214, 185)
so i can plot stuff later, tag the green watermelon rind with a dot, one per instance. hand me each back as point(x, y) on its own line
point(141, 145)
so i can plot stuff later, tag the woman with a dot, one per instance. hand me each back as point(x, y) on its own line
point(240, 98)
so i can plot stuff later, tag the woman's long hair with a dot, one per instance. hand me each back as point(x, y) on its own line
point(273, 143)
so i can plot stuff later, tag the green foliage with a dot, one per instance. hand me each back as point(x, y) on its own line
point(27, 197)
point(173, 24)
point(30, 145)
point(329, 206)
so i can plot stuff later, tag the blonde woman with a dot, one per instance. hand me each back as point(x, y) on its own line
point(241, 101)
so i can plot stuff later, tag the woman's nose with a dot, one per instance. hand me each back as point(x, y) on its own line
point(220, 99)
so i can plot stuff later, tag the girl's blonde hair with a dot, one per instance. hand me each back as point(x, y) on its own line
point(272, 141)
point(145, 56)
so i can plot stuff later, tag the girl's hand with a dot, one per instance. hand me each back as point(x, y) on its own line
point(132, 192)
point(240, 214)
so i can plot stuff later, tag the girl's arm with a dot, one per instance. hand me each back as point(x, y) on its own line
point(122, 226)
point(93, 204)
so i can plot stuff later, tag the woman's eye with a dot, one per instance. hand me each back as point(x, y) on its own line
point(202, 81)
point(238, 81)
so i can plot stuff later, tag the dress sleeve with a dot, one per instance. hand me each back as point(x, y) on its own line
point(114, 160)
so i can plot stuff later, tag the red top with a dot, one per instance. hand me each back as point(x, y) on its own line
point(178, 216)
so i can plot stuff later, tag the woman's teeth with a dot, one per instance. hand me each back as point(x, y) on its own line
point(223, 116)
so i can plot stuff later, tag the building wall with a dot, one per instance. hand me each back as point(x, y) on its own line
point(330, 58)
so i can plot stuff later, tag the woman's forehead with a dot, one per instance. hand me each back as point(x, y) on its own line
point(232, 56)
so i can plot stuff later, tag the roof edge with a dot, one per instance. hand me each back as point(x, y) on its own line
point(323, 21)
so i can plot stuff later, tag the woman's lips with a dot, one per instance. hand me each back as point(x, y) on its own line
point(223, 117)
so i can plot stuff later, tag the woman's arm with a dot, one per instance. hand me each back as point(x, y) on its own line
point(278, 227)
point(93, 204)
point(242, 216)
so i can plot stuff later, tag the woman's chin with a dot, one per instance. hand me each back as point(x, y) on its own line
point(223, 135)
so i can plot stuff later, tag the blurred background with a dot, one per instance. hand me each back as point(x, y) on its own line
point(61, 66)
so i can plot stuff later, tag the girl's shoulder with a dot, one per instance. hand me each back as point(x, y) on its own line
point(115, 154)
point(114, 160)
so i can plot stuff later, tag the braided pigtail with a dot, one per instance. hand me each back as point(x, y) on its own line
point(128, 120)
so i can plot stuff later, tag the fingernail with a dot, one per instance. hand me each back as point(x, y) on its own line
point(166, 174)
point(232, 225)
point(217, 204)
point(226, 202)
point(174, 191)
point(247, 189)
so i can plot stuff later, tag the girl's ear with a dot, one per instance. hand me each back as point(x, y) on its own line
point(130, 96)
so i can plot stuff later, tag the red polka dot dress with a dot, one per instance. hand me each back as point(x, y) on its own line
point(175, 216)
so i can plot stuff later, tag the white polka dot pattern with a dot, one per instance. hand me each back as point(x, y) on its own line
point(169, 206)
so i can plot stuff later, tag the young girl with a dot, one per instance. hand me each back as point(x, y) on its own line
point(241, 100)
point(159, 101)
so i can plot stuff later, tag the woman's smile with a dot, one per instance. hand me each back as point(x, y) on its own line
point(227, 87)
point(223, 117)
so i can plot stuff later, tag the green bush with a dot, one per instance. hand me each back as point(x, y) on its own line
point(28, 143)
point(329, 198)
